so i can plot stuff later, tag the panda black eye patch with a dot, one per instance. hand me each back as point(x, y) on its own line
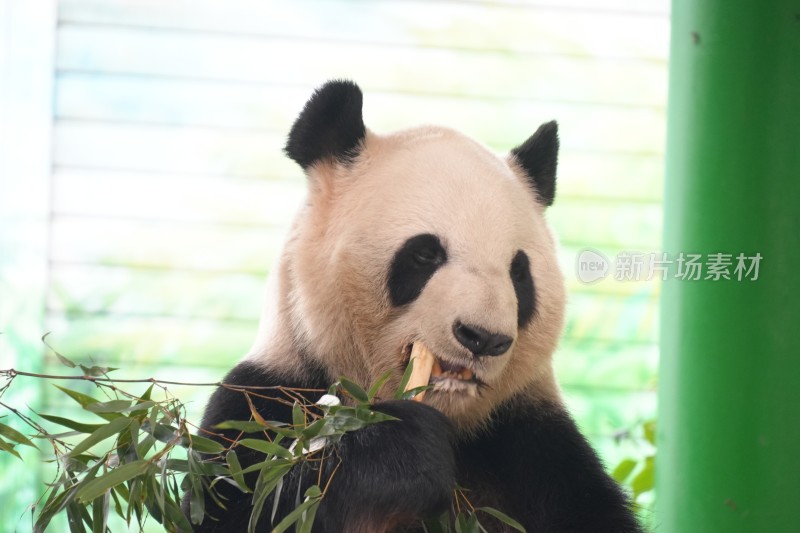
point(413, 265)
point(520, 272)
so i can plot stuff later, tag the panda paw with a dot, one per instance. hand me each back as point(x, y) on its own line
point(402, 468)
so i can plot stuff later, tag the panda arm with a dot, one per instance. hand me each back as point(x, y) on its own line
point(543, 473)
point(383, 475)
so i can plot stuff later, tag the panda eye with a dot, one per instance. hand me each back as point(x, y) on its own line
point(428, 256)
point(413, 265)
point(519, 267)
point(520, 273)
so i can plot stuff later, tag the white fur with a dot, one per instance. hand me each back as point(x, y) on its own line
point(329, 294)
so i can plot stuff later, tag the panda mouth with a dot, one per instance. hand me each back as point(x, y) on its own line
point(443, 374)
point(443, 370)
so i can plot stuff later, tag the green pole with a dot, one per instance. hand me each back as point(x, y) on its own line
point(729, 394)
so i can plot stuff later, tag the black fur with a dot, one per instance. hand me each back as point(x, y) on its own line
point(329, 127)
point(413, 265)
point(533, 464)
point(226, 404)
point(523, 287)
point(391, 473)
point(538, 157)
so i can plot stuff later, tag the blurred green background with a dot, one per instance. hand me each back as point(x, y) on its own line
point(144, 194)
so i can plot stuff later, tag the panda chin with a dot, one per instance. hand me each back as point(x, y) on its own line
point(453, 386)
point(450, 378)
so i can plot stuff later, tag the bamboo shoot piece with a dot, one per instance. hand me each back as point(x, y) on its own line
point(423, 361)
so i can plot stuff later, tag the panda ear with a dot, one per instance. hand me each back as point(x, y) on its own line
point(538, 157)
point(329, 127)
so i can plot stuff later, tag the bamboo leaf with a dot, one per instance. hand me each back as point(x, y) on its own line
point(345, 421)
point(120, 406)
point(79, 463)
point(298, 417)
point(135, 500)
point(401, 388)
point(354, 390)
point(64, 500)
point(177, 519)
point(75, 517)
point(376, 387)
point(114, 427)
point(276, 499)
point(296, 515)
point(268, 478)
point(309, 516)
point(623, 470)
point(461, 523)
point(206, 468)
point(504, 518)
point(117, 504)
point(97, 486)
point(155, 498)
point(649, 428)
point(7, 447)
point(314, 428)
point(140, 410)
point(100, 513)
point(204, 445)
point(95, 371)
point(472, 525)
point(371, 417)
point(437, 525)
point(197, 501)
point(281, 428)
point(247, 427)
point(162, 432)
point(148, 393)
point(85, 400)
point(410, 393)
point(145, 445)
point(72, 424)
point(13, 435)
point(236, 470)
point(64, 361)
point(82, 399)
point(253, 411)
point(49, 510)
point(197, 504)
point(128, 441)
point(113, 406)
point(644, 480)
point(269, 448)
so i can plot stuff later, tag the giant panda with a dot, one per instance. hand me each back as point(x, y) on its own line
point(423, 235)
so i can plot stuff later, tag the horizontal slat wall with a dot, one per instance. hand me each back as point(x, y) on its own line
point(450, 72)
point(171, 193)
point(163, 106)
point(567, 26)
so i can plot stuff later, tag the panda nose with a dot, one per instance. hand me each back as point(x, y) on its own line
point(479, 341)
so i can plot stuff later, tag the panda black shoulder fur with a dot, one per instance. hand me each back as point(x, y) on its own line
point(423, 236)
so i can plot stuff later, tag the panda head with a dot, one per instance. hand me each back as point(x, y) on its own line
point(420, 236)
